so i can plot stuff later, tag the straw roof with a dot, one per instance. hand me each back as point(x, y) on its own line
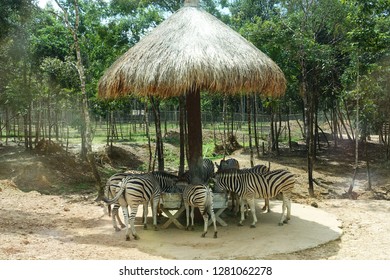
point(192, 50)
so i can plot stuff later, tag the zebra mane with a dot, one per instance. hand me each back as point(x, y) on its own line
point(165, 174)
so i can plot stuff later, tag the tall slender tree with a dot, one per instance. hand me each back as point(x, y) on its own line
point(86, 127)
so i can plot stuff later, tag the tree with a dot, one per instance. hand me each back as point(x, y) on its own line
point(367, 43)
point(86, 133)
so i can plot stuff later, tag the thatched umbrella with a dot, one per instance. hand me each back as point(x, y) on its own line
point(189, 52)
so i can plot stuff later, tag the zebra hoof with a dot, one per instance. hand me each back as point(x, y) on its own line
point(240, 224)
point(136, 237)
point(204, 234)
point(156, 228)
point(117, 229)
point(145, 227)
point(127, 238)
point(281, 224)
point(215, 235)
point(187, 228)
point(253, 226)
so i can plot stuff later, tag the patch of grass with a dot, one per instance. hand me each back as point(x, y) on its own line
point(79, 188)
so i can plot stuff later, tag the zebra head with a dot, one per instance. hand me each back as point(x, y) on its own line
point(167, 181)
point(228, 164)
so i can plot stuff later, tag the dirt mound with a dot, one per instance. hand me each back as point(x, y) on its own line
point(118, 157)
point(48, 147)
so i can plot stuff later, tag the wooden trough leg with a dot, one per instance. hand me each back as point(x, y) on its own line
point(218, 218)
point(173, 218)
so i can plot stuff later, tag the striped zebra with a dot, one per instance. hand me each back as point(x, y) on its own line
point(167, 183)
point(136, 189)
point(249, 186)
point(199, 196)
point(261, 169)
point(224, 165)
point(228, 164)
point(207, 172)
point(111, 188)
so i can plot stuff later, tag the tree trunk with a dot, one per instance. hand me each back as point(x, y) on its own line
point(309, 118)
point(194, 123)
point(159, 142)
point(255, 126)
point(249, 109)
point(182, 110)
point(146, 120)
point(84, 98)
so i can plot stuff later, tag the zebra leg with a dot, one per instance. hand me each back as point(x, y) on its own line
point(155, 204)
point(211, 211)
point(187, 215)
point(266, 205)
point(126, 217)
point(115, 217)
point(233, 197)
point(287, 200)
point(288, 208)
point(286, 205)
point(251, 204)
point(242, 206)
point(206, 221)
point(145, 214)
point(134, 209)
point(238, 208)
point(192, 217)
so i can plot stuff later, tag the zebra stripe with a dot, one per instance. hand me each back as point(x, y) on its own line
point(208, 170)
point(135, 189)
point(199, 196)
point(111, 188)
point(261, 169)
point(250, 185)
point(230, 164)
point(207, 173)
point(167, 183)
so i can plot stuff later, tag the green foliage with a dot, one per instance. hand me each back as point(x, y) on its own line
point(332, 42)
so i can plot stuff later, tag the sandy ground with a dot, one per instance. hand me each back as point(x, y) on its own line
point(35, 226)
point(52, 227)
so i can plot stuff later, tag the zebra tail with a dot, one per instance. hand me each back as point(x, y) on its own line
point(117, 196)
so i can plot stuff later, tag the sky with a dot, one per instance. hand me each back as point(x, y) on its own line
point(42, 3)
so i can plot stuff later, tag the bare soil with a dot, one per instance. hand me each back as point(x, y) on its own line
point(44, 216)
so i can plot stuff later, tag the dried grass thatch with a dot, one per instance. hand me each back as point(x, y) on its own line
point(192, 50)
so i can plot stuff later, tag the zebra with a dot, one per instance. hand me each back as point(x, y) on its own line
point(137, 189)
point(111, 188)
point(261, 169)
point(229, 165)
point(207, 173)
point(200, 196)
point(208, 170)
point(250, 185)
point(167, 183)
